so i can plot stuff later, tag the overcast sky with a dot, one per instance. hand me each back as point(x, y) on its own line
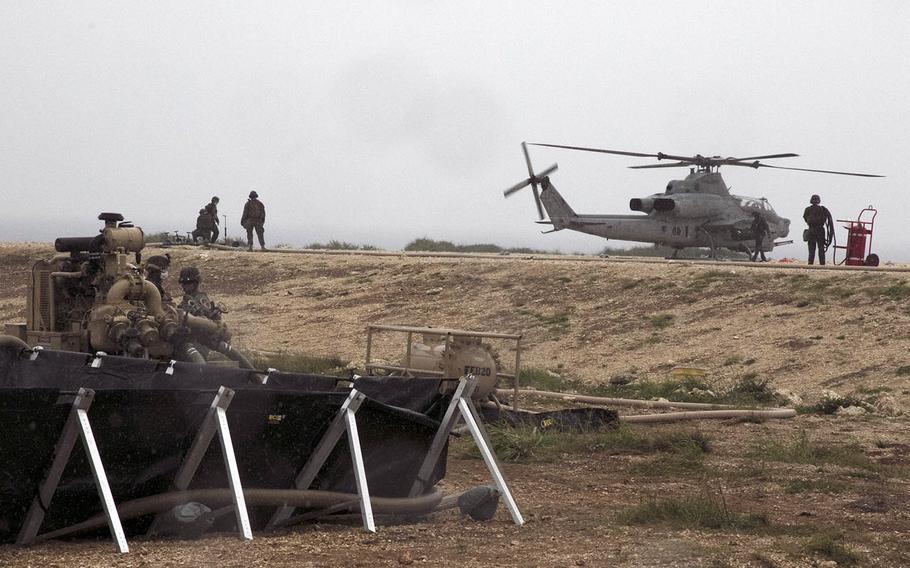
point(379, 122)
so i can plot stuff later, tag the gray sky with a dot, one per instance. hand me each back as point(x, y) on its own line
point(379, 122)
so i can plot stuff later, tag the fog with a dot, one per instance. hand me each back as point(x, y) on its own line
point(377, 123)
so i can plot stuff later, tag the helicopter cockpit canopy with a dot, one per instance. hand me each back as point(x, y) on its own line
point(752, 204)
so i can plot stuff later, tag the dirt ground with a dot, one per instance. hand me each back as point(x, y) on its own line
point(587, 319)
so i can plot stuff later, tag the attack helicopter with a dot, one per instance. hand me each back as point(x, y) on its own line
point(698, 211)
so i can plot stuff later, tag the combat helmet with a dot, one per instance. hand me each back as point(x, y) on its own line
point(815, 200)
point(189, 274)
point(159, 261)
point(253, 195)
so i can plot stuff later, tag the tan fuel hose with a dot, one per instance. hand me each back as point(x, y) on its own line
point(702, 410)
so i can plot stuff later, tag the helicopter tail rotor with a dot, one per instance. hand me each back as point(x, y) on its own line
point(533, 180)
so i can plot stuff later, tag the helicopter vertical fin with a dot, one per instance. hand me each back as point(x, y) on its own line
point(558, 210)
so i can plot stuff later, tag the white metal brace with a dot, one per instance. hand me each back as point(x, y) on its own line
point(461, 404)
point(77, 426)
point(345, 420)
point(215, 421)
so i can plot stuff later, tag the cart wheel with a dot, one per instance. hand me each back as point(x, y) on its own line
point(872, 260)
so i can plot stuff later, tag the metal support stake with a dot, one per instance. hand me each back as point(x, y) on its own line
point(215, 421)
point(344, 421)
point(461, 404)
point(471, 418)
point(77, 425)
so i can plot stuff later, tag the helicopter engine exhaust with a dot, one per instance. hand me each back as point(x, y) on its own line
point(643, 204)
point(663, 204)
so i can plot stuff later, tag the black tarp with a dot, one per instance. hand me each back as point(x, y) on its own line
point(144, 421)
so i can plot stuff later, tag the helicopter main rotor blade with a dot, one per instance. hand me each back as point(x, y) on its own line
point(767, 157)
point(677, 165)
point(811, 170)
point(618, 152)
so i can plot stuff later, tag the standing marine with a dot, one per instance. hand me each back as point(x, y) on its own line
point(254, 218)
point(195, 301)
point(818, 218)
point(760, 230)
point(212, 210)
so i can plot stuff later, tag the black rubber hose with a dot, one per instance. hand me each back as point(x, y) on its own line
point(214, 498)
point(13, 342)
point(188, 352)
point(225, 349)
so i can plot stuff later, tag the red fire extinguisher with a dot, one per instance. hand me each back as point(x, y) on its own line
point(858, 249)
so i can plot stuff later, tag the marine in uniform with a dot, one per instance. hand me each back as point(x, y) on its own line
point(254, 219)
point(156, 273)
point(204, 227)
point(760, 230)
point(212, 210)
point(816, 217)
point(195, 301)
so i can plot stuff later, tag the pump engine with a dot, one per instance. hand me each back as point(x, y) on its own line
point(93, 297)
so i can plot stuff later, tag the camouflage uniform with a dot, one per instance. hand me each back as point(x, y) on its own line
point(156, 271)
point(212, 210)
point(254, 218)
point(199, 304)
point(759, 230)
point(195, 301)
point(816, 216)
point(204, 227)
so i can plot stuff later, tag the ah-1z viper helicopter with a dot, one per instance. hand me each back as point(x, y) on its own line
point(698, 211)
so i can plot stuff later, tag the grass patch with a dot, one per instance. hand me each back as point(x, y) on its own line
point(707, 510)
point(556, 322)
point(829, 546)
point(796, 486)
point(801, 449)
point(292, 362)
point(425, 244)
point(897, 291)
point(528, 444)
point(749, 390)
point(903, 370)
point(831, 404)
point(339, 245)
point(661, 321)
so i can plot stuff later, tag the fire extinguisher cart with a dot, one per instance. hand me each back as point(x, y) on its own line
point(858, 249)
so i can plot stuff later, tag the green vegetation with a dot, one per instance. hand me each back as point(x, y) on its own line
point(339, 245)
point(831, 404)
point(431, 245)
point(528, 444)
point(817, 290)
point(707, 510)
point(661, 321)
point(829, 546)
point(556, 322)
point(899, 290)
point(815, 486)
point(292, 362)
point(801, 449)
point(748, 390)
point(903, 370)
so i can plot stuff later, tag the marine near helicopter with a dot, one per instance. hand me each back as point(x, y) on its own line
point(698, 211)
